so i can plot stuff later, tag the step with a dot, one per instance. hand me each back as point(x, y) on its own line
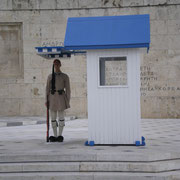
point(141, 167)
point(89, 176)
point(89, 157)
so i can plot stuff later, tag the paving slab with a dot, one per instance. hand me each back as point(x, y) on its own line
point(26, 120)
point(27, 144)
point(161, 136)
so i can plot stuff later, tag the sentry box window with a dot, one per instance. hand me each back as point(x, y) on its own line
point(113, 71)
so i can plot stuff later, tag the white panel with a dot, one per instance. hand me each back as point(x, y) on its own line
point(114, 112)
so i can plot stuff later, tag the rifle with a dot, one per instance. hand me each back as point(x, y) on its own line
point(47, 133)
point(52, 92)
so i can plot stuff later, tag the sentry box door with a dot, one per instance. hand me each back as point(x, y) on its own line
point(113, 78)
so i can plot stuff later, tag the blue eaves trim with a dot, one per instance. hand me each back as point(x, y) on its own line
point(108, 31)
point(55, 52)
point(49, 49)
point(108, 46)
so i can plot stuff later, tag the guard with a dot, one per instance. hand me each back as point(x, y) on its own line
point(58, 99)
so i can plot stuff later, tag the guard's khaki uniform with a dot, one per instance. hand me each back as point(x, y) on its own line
point(58, 102)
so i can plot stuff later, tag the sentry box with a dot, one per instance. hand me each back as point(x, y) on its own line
point(114, 47)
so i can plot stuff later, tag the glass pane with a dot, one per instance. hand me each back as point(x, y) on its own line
point(113, 71)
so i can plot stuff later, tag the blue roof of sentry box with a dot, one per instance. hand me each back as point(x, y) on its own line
point(107, 32)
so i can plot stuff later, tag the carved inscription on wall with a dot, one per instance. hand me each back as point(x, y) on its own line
point(113, 71)
point(52, 43)
point(151, 85)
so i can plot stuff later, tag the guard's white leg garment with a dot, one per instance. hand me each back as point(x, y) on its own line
point(54, 122)
point(61, 122)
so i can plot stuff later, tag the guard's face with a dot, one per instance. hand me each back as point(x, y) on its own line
point(57, 64)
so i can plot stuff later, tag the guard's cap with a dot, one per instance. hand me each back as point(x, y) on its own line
point(56, 61)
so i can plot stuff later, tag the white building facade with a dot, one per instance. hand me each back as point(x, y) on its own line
point(28, 24)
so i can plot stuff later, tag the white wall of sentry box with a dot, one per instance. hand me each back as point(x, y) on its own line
point(113, 78)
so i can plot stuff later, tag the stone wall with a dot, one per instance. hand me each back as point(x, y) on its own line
point(10, 50)
point(43, 23)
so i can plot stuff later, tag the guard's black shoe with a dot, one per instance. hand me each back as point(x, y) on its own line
point(60, 138)
point(53, 139)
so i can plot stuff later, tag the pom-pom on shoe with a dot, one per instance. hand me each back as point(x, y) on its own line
point(53, 139)
point(60, 138)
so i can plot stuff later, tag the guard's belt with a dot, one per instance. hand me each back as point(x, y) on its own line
point(60, 92)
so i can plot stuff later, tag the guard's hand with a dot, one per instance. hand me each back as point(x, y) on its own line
point(46, 104)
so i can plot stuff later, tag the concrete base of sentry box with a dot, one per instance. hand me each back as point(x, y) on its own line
point(137, 143)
